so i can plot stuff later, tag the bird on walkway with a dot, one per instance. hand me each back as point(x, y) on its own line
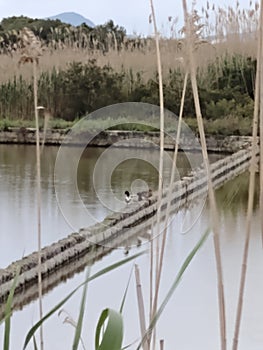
point(139, 242)
point(127, 197)
point(126, 250)
point(144, 195)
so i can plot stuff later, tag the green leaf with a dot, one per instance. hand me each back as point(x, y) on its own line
point(81, 314)
point(111, 337)
point(62, 302)
point(8, 310)
point(126, 291)
point(174, 285)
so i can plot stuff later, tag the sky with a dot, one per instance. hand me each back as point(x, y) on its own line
point(133, 15)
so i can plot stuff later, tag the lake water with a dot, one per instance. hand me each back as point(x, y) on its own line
point(190, 320)
point(63, 211)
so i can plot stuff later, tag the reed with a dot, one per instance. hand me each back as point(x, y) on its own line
point(191, 31)
point(31, 53)
point(253, 168)
point(170, 191)
point(176, 282)
point(230, 31)
point(58, 306)
point(260, 73)
point(146, 344)
point(160, 171)
point(226, 92)
point(77, 337)
point(8, 311)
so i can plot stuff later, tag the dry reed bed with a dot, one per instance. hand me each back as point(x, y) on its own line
point(230, 31)
point(135, 61)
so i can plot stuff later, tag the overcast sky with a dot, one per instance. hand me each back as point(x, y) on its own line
point(132, 14)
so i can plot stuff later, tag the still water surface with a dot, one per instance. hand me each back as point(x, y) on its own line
point(190, 321)
point(18, 192)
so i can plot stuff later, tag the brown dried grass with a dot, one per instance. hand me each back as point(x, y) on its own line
point(230, 30)
point(137, 60)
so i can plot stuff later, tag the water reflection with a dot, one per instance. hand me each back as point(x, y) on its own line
point(18, 199)
point(233, 196)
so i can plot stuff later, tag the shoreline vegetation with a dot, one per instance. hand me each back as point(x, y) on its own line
point(225, 126)
point(83, 69)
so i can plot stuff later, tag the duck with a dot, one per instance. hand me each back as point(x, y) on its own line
point(127, 197)
point(126, 250)
point(144, 195)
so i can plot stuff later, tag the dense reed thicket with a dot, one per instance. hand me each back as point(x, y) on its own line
point(225, 91)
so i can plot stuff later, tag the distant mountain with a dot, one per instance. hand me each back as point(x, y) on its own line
point(73, 18)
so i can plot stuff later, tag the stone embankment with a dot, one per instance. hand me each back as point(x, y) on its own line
point(116, 229)
point(229, 144)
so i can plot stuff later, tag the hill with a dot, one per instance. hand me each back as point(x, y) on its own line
point(72, 18)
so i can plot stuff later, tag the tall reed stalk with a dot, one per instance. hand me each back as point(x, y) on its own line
point(146, 344)
point(253, 169)
point(39, 245)
point(160, 183)
point(169, 197)
point(31, 53)
point(260, 73)
point(190, 36)
point(161, 99)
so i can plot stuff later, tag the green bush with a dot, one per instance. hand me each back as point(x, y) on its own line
point(85, 87)
point(222, 108)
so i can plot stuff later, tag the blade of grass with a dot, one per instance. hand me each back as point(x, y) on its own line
point(8, 311)
point(112, 337)
point(63, 301)
point(81, 313)
point(125, 293)
point(175, 284)
point(129, 345)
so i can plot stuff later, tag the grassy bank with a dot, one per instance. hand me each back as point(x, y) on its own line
point(225, 126)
